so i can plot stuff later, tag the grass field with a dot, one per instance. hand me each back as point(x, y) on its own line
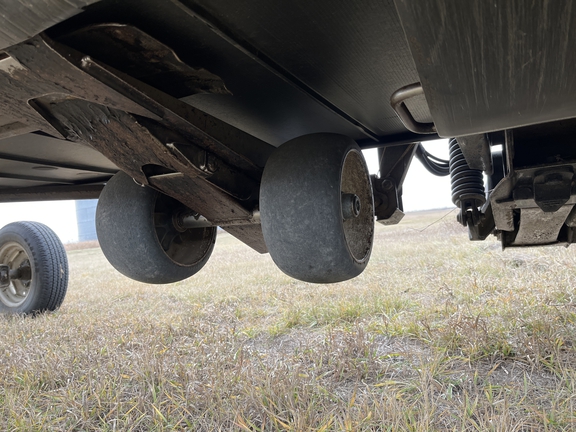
point(438, 334)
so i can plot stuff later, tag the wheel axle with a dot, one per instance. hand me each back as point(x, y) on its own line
point(350, 206)
point(7, 274)
point(187, 220)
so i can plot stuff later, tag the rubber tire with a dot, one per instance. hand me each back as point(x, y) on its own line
point(48, 262)
point(301, 209)
point(127, 234)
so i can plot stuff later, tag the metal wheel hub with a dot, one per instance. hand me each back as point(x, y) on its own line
point(15, 274)
point(358, 227)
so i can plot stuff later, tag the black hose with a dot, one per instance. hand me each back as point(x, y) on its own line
point(435, 165)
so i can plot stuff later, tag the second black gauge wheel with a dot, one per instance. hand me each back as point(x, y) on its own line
point(138, 236)
point(317, 208)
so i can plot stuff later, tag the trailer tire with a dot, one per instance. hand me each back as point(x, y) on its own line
point(36, 250)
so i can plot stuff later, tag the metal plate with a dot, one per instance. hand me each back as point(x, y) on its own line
point(493, 65)
point(351, 53)
point(22, 19)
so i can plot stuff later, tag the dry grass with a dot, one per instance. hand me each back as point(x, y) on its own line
point(438, 334)
point(81, 245)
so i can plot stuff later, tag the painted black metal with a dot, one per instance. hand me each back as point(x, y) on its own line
point(55, 164)
point(498, 173)
point(387, 202)
point(50, 193)
point(553, 188)
point(396, 140)
point(262, 59)
point(493, 65)
point(485, 226)
point(353, 53)
point(476, 150)
point(395, 161)
point(544, 144)
point(393, 167)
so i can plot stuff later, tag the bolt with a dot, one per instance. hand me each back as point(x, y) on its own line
point(212, 165)
point(382, 203)
point(351, 206)
point(387, 184)
point(356, 206)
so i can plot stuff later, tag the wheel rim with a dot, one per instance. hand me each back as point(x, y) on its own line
point(15, 257)
point(359, 228)
point(185, 247)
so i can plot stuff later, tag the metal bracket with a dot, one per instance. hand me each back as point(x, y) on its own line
point(387, 207)
point(553, 188)
point(397, 102)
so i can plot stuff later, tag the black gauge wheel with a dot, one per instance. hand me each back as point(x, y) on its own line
point(139, 238)
point(317, 208)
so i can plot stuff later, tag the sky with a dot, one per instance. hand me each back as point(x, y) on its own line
point(422, 191)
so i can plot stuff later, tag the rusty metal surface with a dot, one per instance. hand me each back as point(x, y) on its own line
point(34, 69)
point(22, 19)
point(540, 228)
point(249, 234)
point(200, 196)
point(393, 219)
point(197, 127)
point(387, 203)
point(149, 134)
point(142, 57)
point(124, 139)
point(114, 133)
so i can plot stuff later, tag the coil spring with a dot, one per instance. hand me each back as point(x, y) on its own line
point(465, 182)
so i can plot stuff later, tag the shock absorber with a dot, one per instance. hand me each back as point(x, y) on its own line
point(467, 186)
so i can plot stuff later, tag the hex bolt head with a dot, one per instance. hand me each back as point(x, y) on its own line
point(387, 184)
